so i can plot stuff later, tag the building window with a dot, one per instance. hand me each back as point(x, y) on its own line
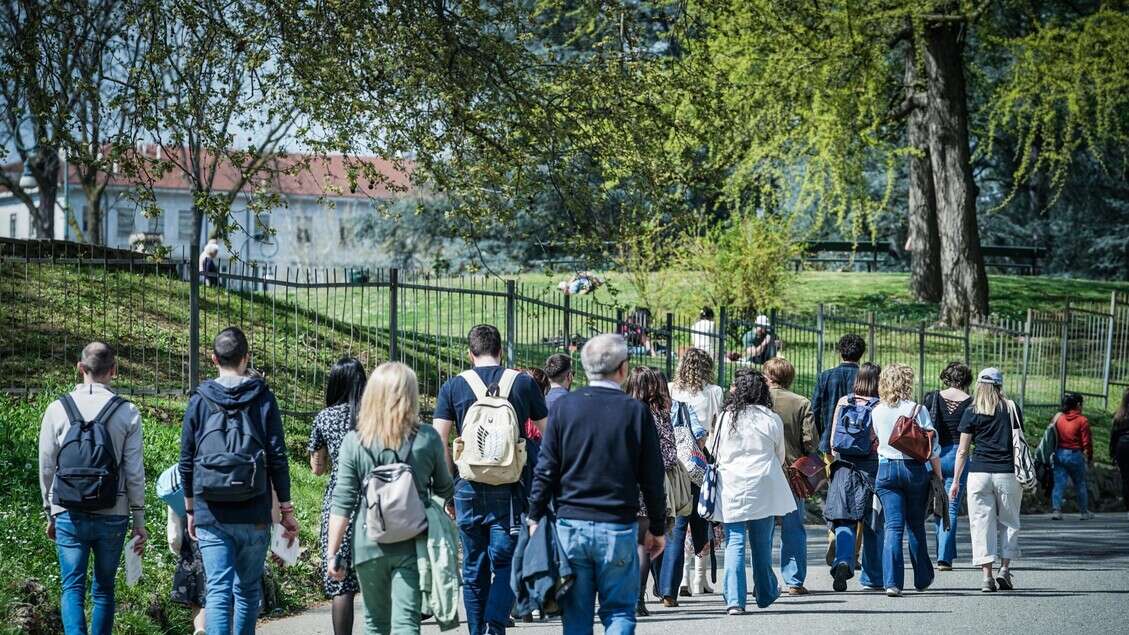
point(302, 234)
point(184, 225)
point(157, 224)
point(262, 229)
point(125, 223)
point(12, 220)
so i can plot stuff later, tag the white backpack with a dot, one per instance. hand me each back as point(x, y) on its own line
point(1021, 451)
point(394, 509)
point(490, 449)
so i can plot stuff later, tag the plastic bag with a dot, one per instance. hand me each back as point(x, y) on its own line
point(287, 553)
point(132, 562)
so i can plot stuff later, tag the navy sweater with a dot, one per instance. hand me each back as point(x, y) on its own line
point(833, 384)
point(264, 413)
point(599, 451)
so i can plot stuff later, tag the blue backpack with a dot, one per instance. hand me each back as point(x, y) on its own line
point(86, 476)
point(854, 434)
point(230, 463)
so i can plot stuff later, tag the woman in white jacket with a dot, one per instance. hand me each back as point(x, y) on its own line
point(753, 488)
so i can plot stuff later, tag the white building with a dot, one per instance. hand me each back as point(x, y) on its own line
point(314, 226)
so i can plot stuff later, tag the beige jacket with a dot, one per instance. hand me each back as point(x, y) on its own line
point(125, 431)
point(799, 424)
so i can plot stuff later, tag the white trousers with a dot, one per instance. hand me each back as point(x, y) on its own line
point(993, 516)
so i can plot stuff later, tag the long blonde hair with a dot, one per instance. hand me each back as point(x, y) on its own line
point(987, 398)
point(895, 384)
point(390, 405)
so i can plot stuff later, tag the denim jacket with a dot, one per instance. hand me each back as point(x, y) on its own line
point(832, 385)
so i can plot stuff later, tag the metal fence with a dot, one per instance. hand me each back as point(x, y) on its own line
point(299, 320)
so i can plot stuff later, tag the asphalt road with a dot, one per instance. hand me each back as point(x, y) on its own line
point(1073, 577)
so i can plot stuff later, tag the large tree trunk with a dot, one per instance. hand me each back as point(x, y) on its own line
point(965, 284)
point(92, 214)
point(45, 168)
point(924, 242)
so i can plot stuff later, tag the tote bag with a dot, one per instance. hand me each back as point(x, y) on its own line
point(708, 500)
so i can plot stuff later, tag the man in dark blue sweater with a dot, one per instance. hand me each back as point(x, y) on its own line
point(835, 384)
point(234, 535)
point(599, 451)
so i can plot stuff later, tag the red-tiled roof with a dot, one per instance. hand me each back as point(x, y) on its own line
point(292, 174)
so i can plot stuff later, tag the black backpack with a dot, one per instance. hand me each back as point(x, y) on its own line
point(230, 461)
point(86, 476)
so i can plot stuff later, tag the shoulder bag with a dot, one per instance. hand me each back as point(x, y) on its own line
point(911, 439)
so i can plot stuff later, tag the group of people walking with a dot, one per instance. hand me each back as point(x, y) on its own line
point(559, 496)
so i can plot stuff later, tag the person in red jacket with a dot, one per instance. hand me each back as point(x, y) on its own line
point(1075, 452)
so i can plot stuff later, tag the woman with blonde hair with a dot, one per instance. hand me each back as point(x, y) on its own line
point(903, 481)
point(694, 386)
point(387, 430)
point(994, 494)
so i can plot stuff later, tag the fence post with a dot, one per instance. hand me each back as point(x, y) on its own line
point(819, 340)
point(722, 325)
point(1027, 330)
point(670, 346)
point(870, 336)
point(968, 343)
point(1064, 349)
point(393, 314)
point(921, 361)
point(566, 341)
point(511, 321)
point(1110, 324)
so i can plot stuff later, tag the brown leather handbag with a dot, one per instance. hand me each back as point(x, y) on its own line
point(807, 475)
point(911, 439)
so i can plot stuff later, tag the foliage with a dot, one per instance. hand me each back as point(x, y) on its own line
point(644, 254)
point(744, 263)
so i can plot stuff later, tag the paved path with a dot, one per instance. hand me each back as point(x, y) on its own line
point(1073, 578)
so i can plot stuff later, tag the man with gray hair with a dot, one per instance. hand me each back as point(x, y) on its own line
point(600, 450)
point(92, 480)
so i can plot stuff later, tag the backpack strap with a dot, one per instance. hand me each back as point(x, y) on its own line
point(71, 408)
point(109, 410)
point(506, 383)
point(242, 411)
point(476, 384)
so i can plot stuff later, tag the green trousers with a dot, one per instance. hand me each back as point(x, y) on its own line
point(390, 589)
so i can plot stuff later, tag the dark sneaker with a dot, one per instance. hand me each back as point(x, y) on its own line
point(989, 586)
point(797, 590)
point(669, 602)
point(841, 573)
point(944, 566)
point(641, 610)
point(684, 592)
point(1004, 581)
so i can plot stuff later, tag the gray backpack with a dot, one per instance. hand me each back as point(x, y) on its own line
point(393, 507)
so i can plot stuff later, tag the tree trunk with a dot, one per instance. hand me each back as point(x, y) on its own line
point(924, 243)
point(965, 284)
point(92, 216)
point(45, 168)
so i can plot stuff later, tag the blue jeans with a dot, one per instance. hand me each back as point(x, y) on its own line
point(485, 515)
point(903, 487)
point(233, 555)
point(947, 540)
point(673, 558)
point(759, 534)
point(794, 547)
point(77, 535)
point(605, 563)
point(1070, 464)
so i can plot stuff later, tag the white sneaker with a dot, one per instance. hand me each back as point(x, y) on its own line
point(1087, 516)
point(1056, 515)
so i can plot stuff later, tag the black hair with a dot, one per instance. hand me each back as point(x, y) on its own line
point(345, 384)
point(957, 375)
point(230, 347)
point(851, 347)
point(98, 359)
point(557, 367)
point(706, 313)
point(484, 339)
point(749, 389)
point(1071, 401)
